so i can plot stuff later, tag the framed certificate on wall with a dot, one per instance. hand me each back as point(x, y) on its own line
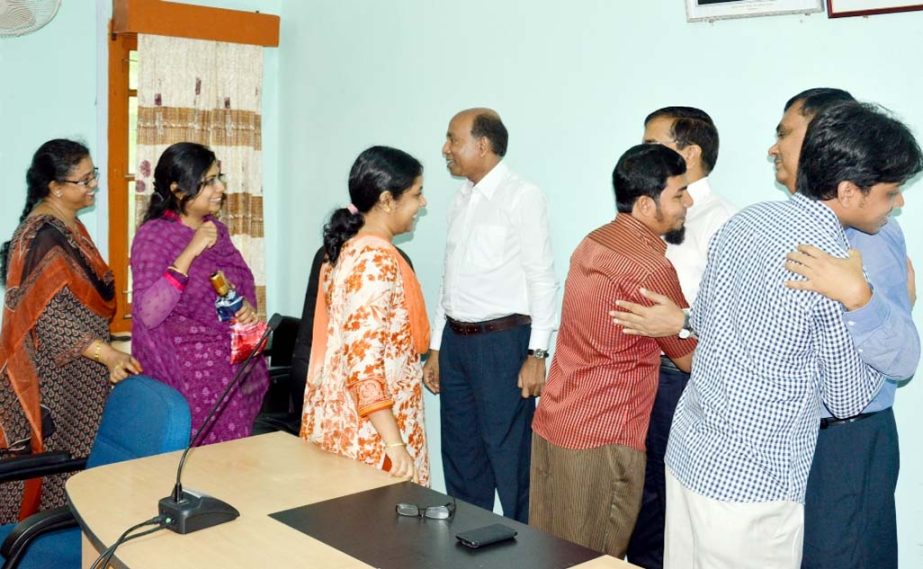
point(704, 10)
point(842, 8)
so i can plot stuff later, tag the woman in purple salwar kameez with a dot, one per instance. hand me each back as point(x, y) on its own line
point(176, 334)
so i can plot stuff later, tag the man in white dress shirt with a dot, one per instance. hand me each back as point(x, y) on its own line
point(496, 312)
point(692, 133)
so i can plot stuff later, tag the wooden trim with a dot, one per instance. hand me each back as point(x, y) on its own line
point(833, 12)
point(119, 47)
point(159, 17)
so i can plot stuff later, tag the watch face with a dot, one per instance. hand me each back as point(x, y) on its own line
point(541, 354)
point(684, 333)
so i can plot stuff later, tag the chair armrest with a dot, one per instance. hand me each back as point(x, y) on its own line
point(16, 543)
point(280, 373)
point(37, 465)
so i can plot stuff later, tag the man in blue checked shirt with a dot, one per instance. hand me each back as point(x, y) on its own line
point(744, 432)
point(850, 518)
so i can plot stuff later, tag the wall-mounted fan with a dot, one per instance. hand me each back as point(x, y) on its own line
point(20, 17)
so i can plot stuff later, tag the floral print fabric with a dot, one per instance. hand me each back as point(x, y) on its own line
point(370, 363)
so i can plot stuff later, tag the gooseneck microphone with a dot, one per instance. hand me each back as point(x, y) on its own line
point(186, 511)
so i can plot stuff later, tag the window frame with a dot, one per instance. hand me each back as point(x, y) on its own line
point(130, 18)
point(119, 173)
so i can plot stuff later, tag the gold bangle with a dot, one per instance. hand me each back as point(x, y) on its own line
point(392, 445)
point(99, 349)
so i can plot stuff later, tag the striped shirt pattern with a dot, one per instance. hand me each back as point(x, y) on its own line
point(602, 382)
point(746, 425)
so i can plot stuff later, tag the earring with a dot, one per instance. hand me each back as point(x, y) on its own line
point(57, 194)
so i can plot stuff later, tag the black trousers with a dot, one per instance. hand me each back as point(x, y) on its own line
point(646, 546)
point(486, 424)
point(849, 513)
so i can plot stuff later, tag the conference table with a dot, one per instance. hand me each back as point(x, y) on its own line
point(280, 475)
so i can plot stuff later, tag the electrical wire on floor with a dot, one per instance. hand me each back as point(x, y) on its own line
point(106, 556)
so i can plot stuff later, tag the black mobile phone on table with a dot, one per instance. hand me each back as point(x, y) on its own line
point(486, 535)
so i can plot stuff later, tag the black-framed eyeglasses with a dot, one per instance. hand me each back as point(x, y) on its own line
point(86, 181)
point(212, 180)
point(444, 512)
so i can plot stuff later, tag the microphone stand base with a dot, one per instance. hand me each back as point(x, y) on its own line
point(194, 511)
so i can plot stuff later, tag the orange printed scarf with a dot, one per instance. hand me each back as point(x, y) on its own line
point(24, 304)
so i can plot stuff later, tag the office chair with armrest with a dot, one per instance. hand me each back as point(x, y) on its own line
point(142, 417)
point(282, 401)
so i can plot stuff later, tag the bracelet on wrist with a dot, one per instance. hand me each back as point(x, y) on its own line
point(98, 352)
point(175, 270)
point(395, 445)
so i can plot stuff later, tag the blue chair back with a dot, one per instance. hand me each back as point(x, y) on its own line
point(142, 417)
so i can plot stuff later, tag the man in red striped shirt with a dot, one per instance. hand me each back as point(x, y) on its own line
point(588, 451)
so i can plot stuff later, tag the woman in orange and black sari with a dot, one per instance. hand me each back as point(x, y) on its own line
point(56, 362)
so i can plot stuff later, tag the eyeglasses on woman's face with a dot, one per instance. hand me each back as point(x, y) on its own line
point(86, 181)
point(213, 181)
point(443, 512)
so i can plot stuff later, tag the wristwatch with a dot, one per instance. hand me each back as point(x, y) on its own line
point(540, 354)
point(686, 331)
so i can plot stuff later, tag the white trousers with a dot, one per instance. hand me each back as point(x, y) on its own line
point(702, 533)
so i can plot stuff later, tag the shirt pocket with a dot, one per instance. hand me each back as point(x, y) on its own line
point(487, 247)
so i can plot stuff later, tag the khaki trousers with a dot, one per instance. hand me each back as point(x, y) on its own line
point(705, 533)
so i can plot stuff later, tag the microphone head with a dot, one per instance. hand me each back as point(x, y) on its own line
point(274, 321)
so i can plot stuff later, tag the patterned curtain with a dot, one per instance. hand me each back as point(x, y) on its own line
point(206, 92)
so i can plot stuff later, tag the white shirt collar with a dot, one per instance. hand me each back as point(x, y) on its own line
point(698, 190)
point(491, 181)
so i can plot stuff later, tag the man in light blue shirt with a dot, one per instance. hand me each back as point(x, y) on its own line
point(745, 429)
point(850, 517)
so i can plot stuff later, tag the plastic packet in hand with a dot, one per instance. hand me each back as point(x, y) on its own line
point(244, 339)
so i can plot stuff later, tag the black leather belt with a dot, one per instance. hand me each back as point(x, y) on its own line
point(826, 422)
point(495, 325)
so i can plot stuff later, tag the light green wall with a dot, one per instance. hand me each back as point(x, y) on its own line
point(47, 90)
point(573, 81)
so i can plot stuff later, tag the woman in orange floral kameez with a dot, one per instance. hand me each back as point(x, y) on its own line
point(364, 396)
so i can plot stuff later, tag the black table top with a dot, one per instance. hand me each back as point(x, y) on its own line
point(365, 526)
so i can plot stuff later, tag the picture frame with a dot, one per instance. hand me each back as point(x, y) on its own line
point(707, 10)
point(846, 8)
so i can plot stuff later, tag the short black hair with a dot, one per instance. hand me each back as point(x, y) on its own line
point(643, 171)
point(692, 126)
point(856, 142)
point(817, 99)
point(490, 126)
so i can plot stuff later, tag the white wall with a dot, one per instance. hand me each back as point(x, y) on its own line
point(573, 81)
